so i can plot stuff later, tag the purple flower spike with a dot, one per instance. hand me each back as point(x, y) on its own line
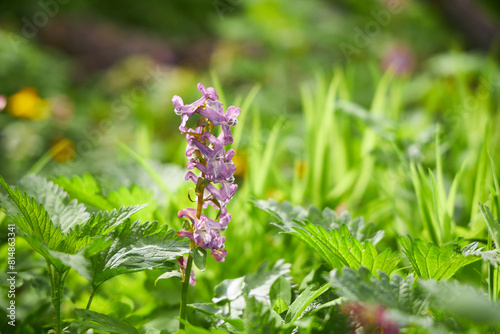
point(208, 154)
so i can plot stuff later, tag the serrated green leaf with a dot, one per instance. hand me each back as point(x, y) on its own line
point(85, 189)
point(137, 247)
point(398, 293)
point(492, 256)
point(328, 219)
point(103, 222)
point(340, 249)
point(129, 196)
point(106, 322)
point(34, 222)
point(199, 257)
point(63, 213)
point(429, 260)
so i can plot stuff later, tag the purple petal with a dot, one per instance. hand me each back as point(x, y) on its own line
point(218, 254)
point(185, 234)
point(228, 135)
point(209, 92)
point(178, 103)
point(232, 114)
point(213, 116)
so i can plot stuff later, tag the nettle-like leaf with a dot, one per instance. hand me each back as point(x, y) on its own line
point(63, 213)
point(398, 293)
point(257, 285)
point(85, 189)
point(252, 303)
point(462, 302)
point(136, 247)
point(328, 219)
point(233, 295)
point(339, 248)
point(493, 224)
point(258, 317)
point(492, 256)
point(96, 245)
point(35, 223)
point(429, 260)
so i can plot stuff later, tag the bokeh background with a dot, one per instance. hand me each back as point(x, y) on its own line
point(86, 87)
point(74, 63)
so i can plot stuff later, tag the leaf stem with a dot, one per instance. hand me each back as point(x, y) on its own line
point(185, 286)
point(94, 289)
point(57, 289)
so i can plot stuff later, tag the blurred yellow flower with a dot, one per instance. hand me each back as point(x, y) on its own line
point(28, 105)
point(240, 161)
point(63, 150)
point(301, 168)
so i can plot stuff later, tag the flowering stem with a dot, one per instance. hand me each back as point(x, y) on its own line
point(185, 286)
point(187, 272)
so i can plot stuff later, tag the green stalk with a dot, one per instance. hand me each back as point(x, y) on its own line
point(91, 298)
point(185, 286)
point(56, 290)
point(187, 272)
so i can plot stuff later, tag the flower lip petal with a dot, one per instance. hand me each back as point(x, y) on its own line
point(178, 103)
point(233, 112)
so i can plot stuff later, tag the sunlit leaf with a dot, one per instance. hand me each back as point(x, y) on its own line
point(429, 260)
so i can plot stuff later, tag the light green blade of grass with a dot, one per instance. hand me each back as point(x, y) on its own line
point(267, 158)
point(494, 175)
point(422, 202)
point(255, 151)
point(218, 86)
point(338, 164)
point(245, 110)
point(144, 164)
point(307, 106)
point(437, 212)
point(370, 140)
point(480, 184)
point(450, 203)
point(322, 142)
point(46, 158)
point(441, 192)
point(143, 141)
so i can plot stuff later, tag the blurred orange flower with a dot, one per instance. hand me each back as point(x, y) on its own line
point(28, 105)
